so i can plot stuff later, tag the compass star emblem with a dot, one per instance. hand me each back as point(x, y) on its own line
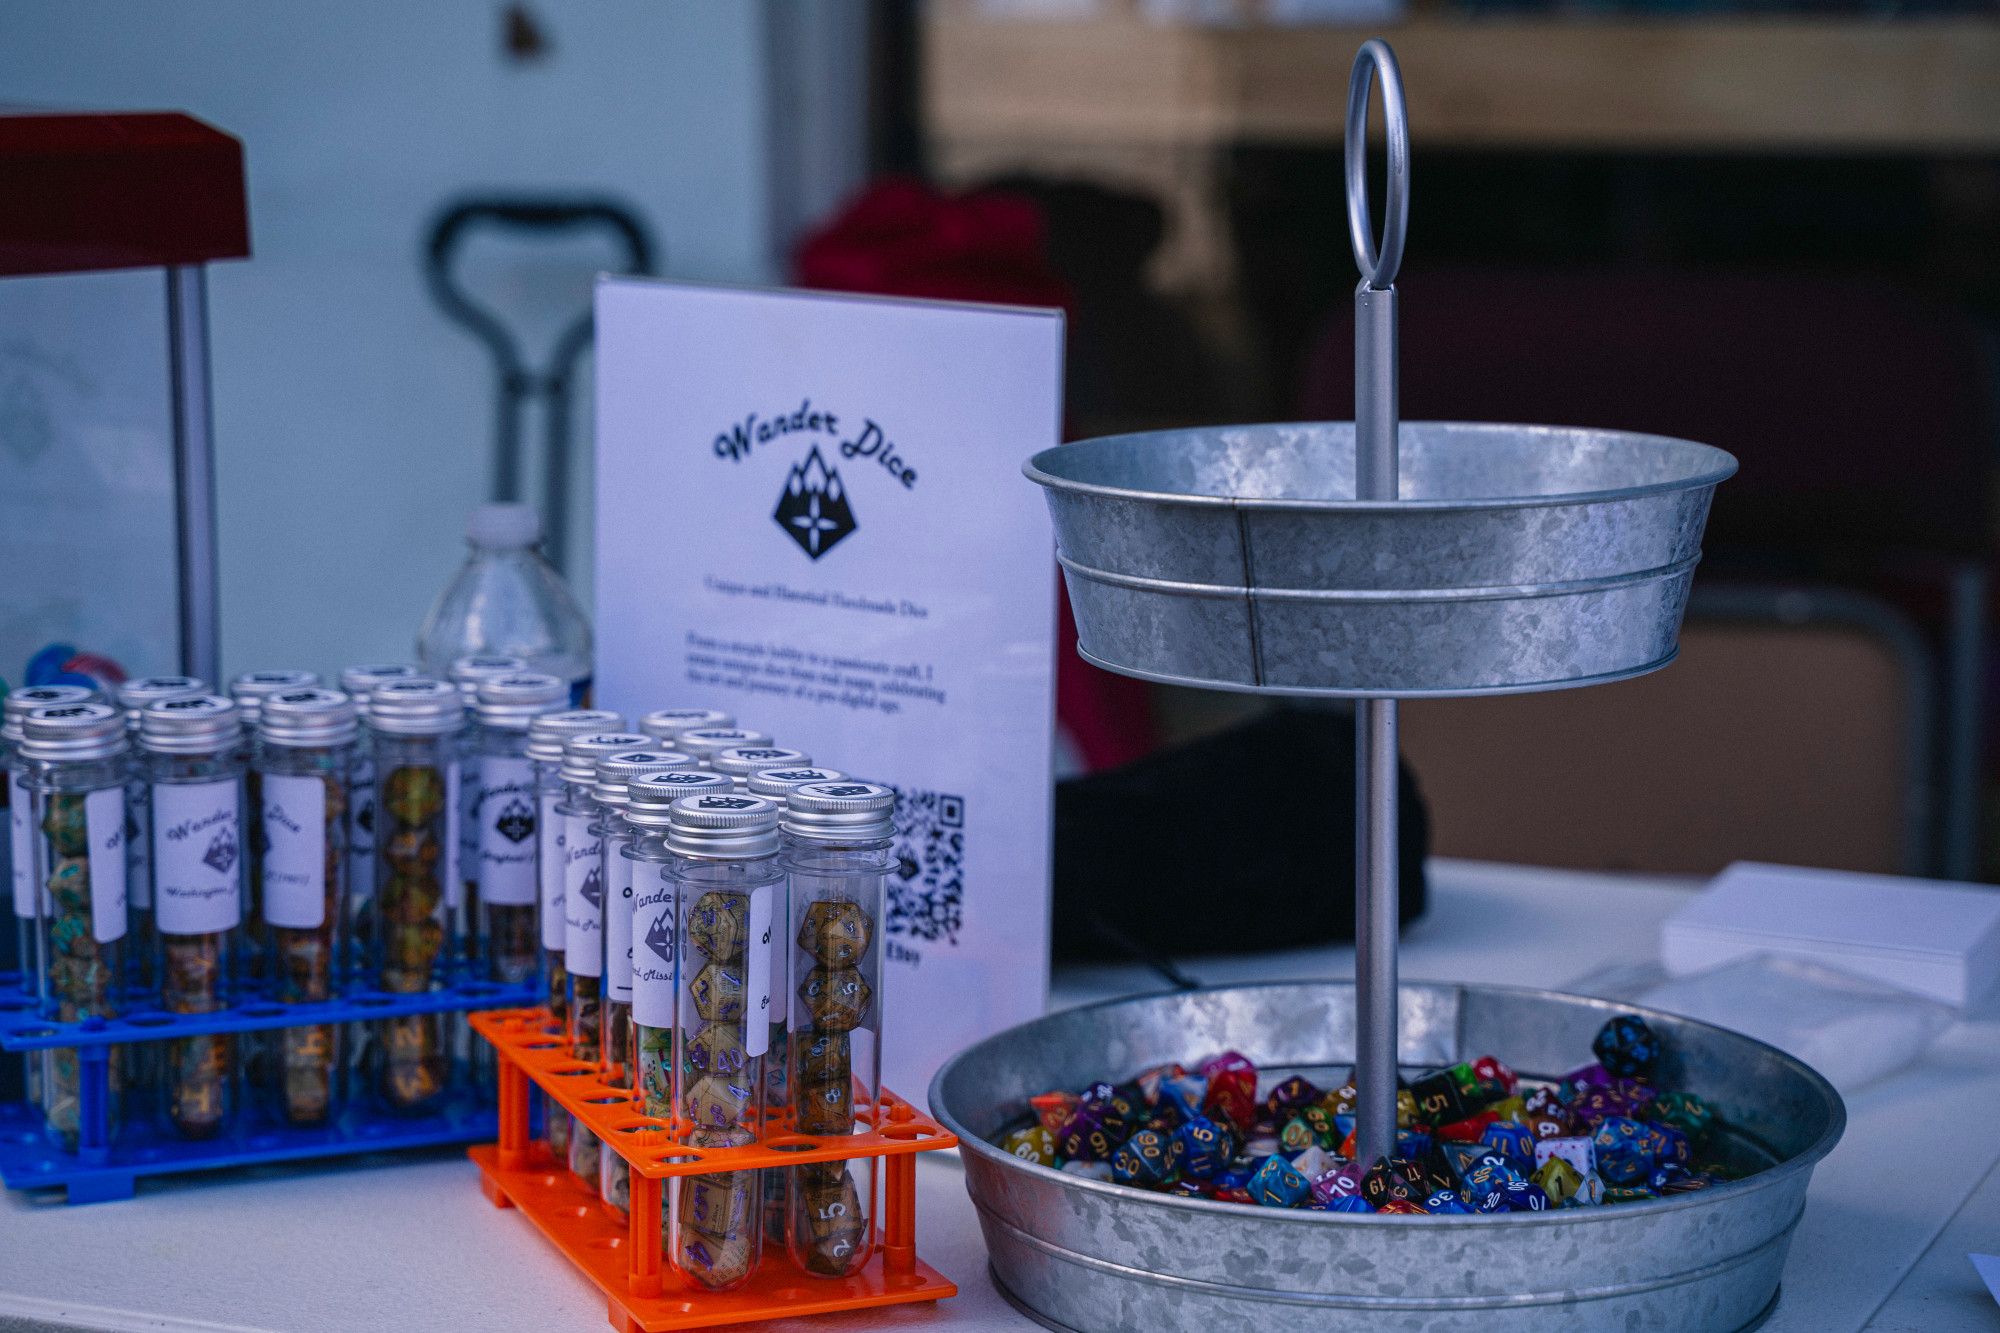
point(813, 508)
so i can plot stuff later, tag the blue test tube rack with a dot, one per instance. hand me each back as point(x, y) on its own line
point(108, 1165)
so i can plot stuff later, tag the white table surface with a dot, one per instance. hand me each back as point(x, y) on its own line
point(411, 1243)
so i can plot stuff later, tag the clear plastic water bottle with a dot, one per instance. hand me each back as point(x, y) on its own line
point(508, 599)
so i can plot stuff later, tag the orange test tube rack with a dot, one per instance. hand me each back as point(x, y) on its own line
point(623, 1256)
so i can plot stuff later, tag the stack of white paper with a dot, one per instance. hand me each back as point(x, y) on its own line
point(1930, 938)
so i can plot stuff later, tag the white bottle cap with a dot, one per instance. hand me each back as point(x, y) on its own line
point(504, 527)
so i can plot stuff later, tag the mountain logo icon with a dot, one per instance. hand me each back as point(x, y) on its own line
point(221, 853)
point(516, 822)
point(660, 938)
point(813, 508)
point(593, 888)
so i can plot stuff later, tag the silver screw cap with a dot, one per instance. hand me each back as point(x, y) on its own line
point(773, 784)
point(74, 732)
point(844, 810)
point(466, 672)
point(134, 695)
point(358, 682)
point(250, 689)
point(581, 753)
point(667, 724)
point(314, 718)
point(704, 743)
point(193, 724)
point(515, 698)
point(651, 798)
point(739, 762)
point(20, 703)
point(547, 732)
point(416, 706)
point(722, 826)
point(616, 773)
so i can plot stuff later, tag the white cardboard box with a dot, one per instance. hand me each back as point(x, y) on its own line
point(1931, 938)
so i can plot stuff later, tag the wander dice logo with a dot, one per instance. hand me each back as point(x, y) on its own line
point(516, 822)
point(221, 853)
point(593, 888)
point(813, 508)
point(660, 939)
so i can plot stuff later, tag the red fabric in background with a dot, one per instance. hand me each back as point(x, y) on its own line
point(900, 237)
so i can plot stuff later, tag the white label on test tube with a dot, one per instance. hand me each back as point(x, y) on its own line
point(618, 913)
point(654, 930)
point(294, 851)
point(197, 856)
point(21, 828)
point(454, 818)
point(757, 984)
point(583, 897)
point(549, 858)
point(505, 818)
point(104, 825)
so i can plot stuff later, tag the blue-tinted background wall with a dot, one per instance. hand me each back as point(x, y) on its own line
point(353, 422)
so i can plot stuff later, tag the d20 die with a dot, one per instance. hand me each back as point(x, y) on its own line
point(719, 1205)
point(827, 1107)
point(718, 993)
point(825, 1056)
point(1203, 1148)
point(716, 1102)
point(717, 924)
point(714, 1262)
point(716, 1049)
point(1278, 1184)
point(1033, 1144)
point(1144, 1160)
point(837, 1000)
point(834, 932)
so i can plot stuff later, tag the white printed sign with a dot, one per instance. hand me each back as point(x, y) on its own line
point(294, 851)
point(858, 569)
point(505, 818)
point(197, 856)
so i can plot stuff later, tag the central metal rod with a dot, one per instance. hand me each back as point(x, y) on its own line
point(1376, 880)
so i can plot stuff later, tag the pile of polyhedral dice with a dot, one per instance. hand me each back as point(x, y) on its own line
point(1474, 1138)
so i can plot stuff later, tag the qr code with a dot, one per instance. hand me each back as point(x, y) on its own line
point(927, 887)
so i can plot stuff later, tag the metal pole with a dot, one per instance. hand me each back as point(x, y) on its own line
point(1376, 391)
point(194, 473)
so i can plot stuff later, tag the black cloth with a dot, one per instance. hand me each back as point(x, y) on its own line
point(1237, 843)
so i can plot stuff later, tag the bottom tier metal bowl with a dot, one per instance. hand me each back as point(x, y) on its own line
point(1085, 1255)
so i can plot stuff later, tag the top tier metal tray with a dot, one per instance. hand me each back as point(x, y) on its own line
point(1514, 558)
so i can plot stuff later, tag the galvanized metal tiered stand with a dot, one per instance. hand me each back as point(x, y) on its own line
point(1379, 562)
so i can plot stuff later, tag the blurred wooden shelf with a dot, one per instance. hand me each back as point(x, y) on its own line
point(1689, 84)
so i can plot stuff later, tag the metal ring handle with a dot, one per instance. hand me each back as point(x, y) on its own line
point(1378, 267)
